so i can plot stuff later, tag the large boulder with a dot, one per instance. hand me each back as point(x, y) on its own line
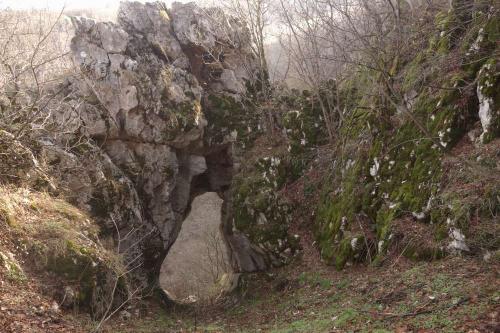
point(197, 266)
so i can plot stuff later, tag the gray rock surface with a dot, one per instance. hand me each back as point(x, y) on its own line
point(198, 264)
point(146, 108)
point(142, 118)
point(219, 42)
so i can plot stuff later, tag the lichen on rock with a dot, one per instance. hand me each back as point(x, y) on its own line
point(489, 98)
point(260, 211)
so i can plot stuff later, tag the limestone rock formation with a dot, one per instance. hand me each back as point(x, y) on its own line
point(143, 90)
point(217, 45)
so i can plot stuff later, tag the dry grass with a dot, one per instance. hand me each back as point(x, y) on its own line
point(37, 232)
point(37, 217)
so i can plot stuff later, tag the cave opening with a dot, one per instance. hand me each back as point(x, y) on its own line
point(197, 267)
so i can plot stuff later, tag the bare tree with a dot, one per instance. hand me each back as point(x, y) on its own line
point(33, 59)
point(305, 38)
point(109, 303)
point(328, 39)
point(256, 15)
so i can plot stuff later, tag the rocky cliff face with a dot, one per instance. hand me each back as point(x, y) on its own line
point(146, 85)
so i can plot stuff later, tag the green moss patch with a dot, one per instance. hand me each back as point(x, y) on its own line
point(390, 165)
point(259, 210)
point(230, 121)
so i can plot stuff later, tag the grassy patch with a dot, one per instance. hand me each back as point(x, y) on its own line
point(314, 279)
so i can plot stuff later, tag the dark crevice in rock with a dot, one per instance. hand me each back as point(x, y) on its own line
point(199, 175)
point(192, 181)
point(216, 178)
point(199, 185)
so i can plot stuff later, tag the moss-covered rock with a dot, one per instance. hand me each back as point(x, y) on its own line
point(230, 120)
point(387, 170)
point(446, 23)
point(54, 236)
point(303, 122)
point(104, 197)
point(181, 118)
point(260, 212)
point(91, 272)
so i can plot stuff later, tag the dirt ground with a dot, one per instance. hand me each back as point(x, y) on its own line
point(451, 295)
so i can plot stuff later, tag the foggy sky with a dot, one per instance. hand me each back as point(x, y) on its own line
point(70, 4)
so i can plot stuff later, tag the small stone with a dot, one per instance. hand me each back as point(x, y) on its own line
point(458, 241)
point(55, 307)
point(125, 315)
point(69, 297)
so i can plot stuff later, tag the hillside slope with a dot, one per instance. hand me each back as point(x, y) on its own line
point(390, 223)
point(51, 260)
